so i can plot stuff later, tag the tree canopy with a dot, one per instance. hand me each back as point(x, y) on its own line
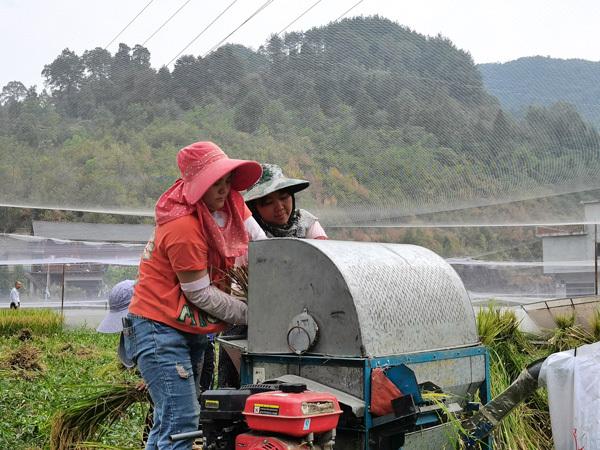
point(371, 112)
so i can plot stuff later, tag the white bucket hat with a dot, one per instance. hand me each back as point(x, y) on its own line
point(118, 302)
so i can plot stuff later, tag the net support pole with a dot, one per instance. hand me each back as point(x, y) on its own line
point(595, 259)
point(62, 292)
point(47, 290)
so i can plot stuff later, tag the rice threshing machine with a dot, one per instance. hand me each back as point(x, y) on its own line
point(347, 344)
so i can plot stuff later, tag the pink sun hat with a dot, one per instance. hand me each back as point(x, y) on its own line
point(203, 163)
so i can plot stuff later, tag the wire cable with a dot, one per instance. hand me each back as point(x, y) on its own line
point(299, 17)
point(202, 32)
point(166, 22)
point(127, 26)
point(351, 8)
point(264, 5)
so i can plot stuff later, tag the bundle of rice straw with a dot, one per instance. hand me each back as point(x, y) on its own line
point(235, 281)
point(87, 418)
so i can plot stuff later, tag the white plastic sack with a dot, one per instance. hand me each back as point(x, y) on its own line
point(573, 383)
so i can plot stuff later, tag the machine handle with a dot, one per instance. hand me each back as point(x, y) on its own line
point(185, 436)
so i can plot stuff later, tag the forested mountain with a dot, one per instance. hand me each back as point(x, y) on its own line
point(374, 114)
point(543, 81)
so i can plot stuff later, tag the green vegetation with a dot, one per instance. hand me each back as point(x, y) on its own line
point(70, 385)
point(115, 274)
point(373, 113)
point(527, 427)
point(38, 322)
point(91, 418)
point(568, 334)
point(542, 80)
point(43, 371)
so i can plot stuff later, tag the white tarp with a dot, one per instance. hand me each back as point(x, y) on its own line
point(571, 378)
point(18, 249)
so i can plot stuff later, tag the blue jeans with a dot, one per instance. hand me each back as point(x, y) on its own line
point(168, 360)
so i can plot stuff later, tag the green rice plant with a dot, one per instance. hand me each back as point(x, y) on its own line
point(87, 418)
point(38, 321)
point(499, 330)
point(454, 431)
point(527, 426)
point(564, 321)
point(568, 334)
point(595, 325)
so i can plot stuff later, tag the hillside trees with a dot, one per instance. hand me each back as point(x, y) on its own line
point(403, 119)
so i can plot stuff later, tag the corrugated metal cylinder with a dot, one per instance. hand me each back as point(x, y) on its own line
point(368, 299)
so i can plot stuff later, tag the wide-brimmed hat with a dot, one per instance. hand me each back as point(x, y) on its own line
point(203, 163)
point(118, 302)
point(273, 180)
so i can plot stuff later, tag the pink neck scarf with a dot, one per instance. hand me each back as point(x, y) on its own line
point(225, 243)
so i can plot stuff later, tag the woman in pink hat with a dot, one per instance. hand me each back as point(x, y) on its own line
point(202, 226)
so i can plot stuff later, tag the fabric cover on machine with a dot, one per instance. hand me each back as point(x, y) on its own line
point(571, 378)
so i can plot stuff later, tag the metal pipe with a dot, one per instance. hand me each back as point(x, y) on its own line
point(47, 291)
point(62, 293)
point(185, 436)
point(595, 259)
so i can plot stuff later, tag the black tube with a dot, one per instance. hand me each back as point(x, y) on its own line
point(185, 436)
point(535, 367)
point(480, 425)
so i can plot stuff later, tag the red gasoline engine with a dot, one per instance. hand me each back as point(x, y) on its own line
point(289, 418)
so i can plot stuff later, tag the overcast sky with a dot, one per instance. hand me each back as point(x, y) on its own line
point(34, 32)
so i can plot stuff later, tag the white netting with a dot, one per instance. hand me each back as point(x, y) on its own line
point(393, 124)
point(59, 270)
point(386, 122)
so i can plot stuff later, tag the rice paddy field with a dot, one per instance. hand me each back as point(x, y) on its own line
point(51, 380)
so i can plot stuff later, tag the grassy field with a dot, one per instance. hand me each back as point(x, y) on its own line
point(43, 369)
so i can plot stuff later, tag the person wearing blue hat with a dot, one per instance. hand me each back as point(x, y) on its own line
point(118, 302)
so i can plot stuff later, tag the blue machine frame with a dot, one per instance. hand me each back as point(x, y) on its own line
point(368, 364)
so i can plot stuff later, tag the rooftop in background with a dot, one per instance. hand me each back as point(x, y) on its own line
point(93, 232)
point(560, 230)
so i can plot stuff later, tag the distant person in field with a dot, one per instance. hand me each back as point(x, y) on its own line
point(273, 204)
point(15, 298)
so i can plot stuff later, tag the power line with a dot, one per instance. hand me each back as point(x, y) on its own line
point(202, 32)
point(166, 22)
point(127, 26)
point(264, 5)
point(299, 17)
point(355, 5)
